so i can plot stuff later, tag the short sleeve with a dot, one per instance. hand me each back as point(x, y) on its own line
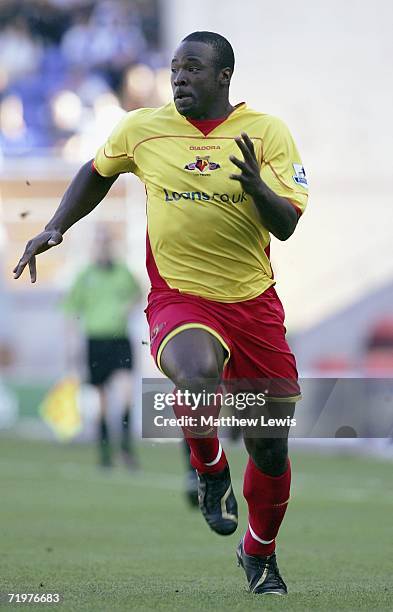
point(114, 157)
point(282, 169)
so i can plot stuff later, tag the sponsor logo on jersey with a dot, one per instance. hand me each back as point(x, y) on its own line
point(300, 175)
point(202, 196)
point(201, 164)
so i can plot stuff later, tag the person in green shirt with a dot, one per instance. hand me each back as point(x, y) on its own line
point(101, 298)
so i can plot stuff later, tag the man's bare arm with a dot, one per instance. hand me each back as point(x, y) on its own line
point(85, 192)
point(278, 215)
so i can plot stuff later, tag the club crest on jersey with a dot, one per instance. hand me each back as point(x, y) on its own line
point(201, 164)
point(300, 175)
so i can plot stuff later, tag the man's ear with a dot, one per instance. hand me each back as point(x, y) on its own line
point(226, 75)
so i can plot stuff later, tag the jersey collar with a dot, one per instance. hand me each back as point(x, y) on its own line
point(209, 125)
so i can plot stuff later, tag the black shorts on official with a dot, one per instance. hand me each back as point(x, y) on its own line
point(106, 356)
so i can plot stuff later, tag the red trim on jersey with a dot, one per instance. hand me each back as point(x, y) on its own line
point(94, 169)
point(267, 252)
point(208, 125)
point(156, 280)
point(299, 212)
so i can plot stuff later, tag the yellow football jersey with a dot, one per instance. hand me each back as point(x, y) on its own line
point(205, 236)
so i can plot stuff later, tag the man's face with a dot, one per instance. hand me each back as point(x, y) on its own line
point(195, 78)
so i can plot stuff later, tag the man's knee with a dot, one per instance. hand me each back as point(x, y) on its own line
point(198, 374)
point(270, 455)
point(193, 360)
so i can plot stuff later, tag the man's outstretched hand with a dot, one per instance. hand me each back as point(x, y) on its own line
point(277, 213)
point(249, 178)
point(41, 243)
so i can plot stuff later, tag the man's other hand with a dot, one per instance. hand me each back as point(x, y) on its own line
point(41, 243)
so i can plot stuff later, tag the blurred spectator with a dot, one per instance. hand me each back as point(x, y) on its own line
point(19, 53)
point(101, 299)
point(50, 49)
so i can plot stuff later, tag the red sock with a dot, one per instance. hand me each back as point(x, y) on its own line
point(267, 498)
point(207, 454)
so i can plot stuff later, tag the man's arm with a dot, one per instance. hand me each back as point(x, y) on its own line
point(85, 192)
point(278, 215)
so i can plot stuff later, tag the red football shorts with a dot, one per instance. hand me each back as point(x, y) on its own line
point(252, 333)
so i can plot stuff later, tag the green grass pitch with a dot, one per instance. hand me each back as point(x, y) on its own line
point(120, 541)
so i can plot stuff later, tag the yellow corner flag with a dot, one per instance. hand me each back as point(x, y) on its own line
point(60, 409)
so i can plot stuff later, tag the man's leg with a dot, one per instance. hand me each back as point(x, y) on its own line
point(122, 380)
point(103, 431)
point(98, 377)
point(266, 488)
point(194, 361)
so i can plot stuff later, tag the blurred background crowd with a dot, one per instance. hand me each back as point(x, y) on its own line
point(70, 69)
point(62, 64)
